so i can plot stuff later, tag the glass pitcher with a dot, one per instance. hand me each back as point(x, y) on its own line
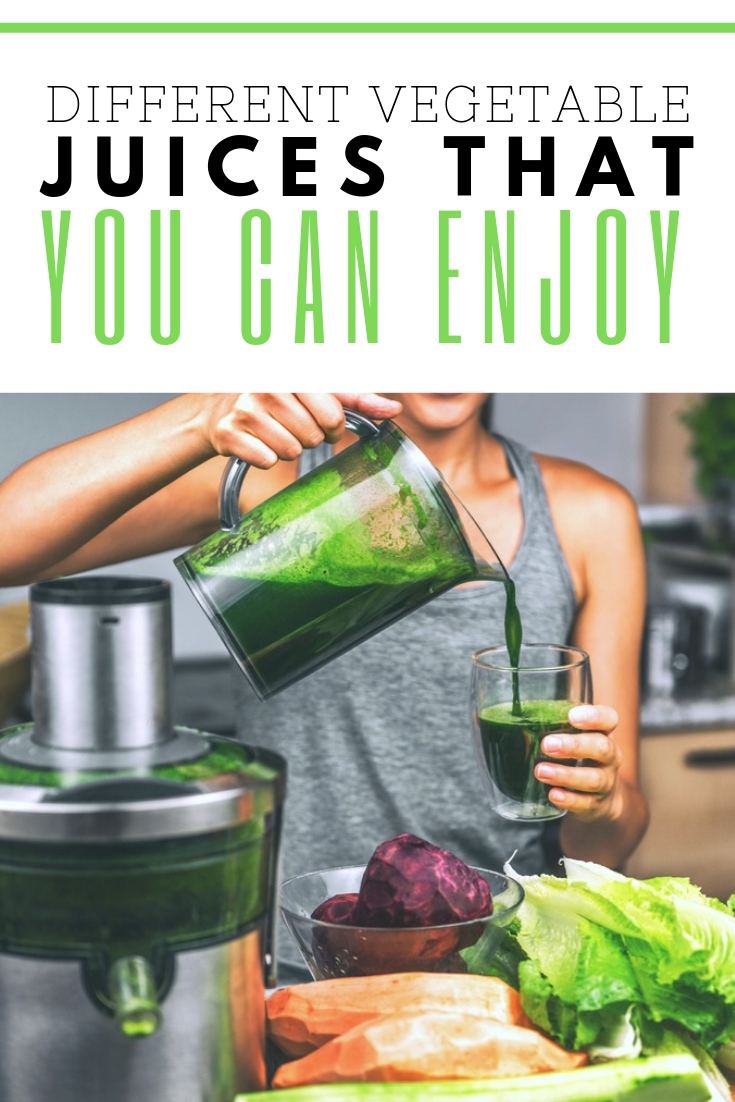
point(341, 553)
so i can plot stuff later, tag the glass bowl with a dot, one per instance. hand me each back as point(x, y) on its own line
point(331, 950)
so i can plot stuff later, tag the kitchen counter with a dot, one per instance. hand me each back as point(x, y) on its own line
point(711, 707)
point(204, 695)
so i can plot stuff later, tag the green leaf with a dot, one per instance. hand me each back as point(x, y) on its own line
point(599, 943)
point(711, 422)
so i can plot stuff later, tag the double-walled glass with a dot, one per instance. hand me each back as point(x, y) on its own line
point(513, 709)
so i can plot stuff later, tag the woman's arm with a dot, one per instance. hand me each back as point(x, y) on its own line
point(599, 529)
point(56, 506)
point(149, 484)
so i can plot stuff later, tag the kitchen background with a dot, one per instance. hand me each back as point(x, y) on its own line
point(688, 667)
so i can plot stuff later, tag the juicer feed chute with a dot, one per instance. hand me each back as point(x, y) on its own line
point(138, 864)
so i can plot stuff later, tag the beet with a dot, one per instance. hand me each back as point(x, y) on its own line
point(410, 882)
point(338, 909)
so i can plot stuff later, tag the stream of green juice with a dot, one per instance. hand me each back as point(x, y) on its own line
point(513, 639)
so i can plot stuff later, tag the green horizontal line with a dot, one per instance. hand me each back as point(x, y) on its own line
point(367, 28)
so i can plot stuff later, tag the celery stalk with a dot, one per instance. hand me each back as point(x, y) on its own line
point(656, 1079)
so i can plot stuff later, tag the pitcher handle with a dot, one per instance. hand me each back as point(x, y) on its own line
point(235, 471)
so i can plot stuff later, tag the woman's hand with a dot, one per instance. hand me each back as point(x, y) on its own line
point(592, 791)
point(263, 428)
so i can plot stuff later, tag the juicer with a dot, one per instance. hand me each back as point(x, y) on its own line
point(138, 869)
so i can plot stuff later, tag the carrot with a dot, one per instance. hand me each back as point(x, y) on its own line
point(303, 1017)
point(429, 1045)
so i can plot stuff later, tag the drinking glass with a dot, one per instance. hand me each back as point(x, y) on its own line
point(513, 709)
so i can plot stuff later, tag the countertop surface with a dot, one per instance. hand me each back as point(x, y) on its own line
point(711, 707)
point(204, 695)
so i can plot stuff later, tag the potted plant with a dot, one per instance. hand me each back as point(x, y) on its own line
point(711, 423)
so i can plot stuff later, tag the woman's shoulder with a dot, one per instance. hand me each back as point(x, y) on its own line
point(583, 491)
point(594, 516)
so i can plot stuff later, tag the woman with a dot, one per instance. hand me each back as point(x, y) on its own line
point(378, 741)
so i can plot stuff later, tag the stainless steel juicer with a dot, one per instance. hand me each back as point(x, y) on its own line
point(138, 868)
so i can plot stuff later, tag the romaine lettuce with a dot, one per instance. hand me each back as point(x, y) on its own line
point(598, 945)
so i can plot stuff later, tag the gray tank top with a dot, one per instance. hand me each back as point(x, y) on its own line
point(379, 741)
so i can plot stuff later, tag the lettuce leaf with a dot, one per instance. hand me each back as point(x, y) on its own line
point(599, 943)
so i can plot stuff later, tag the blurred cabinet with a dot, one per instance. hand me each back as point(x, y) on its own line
point(668, 468)
point(689, 779)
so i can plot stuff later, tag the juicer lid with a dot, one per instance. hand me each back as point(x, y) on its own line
point(101, 589)
point(139, 808)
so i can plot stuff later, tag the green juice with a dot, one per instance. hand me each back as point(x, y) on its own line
point(289, 630)
point(99, 903)
point(511, 745)
point(342, 553)
point(513, 639)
